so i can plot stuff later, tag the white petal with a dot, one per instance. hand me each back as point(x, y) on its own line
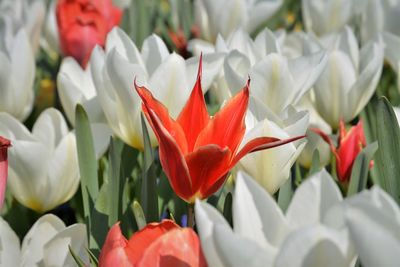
point(41, 232)
point(207, 217)
point(169, 85)
point(256, 215)
point(236, 68)
point(261, 12)
point(9, 245)
point(56, 251)
point(313, 199)
point(237, 251)
point(154, 52)
point(313, 246)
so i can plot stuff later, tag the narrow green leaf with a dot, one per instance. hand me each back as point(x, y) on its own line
point(388, 155)
point(285, 194)
point(139, 215)
point(359, 173)
point(87, 164)
point(77, 259)
point(228, 208)
point(149, 196)
point(115, 184)
point(92, 257)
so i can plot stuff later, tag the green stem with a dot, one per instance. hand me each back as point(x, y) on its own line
point(191, 215)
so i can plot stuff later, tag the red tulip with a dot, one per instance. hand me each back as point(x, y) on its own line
point(162, 244)
point(84, 23)
point(196, 150)
point(349, 145)
point(4, 145)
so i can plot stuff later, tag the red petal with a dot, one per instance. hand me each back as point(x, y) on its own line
point(227, 127)
point(194, 116)
point(4, 144)
point(206, 165)
point(261, 143)
point(326, 138)
point(177, 248)
point(113, 251)
point(350, 145)
point(172, 159)
point(141, 240)
point(173, 128)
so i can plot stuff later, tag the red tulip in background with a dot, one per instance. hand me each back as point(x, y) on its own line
point(4, 145)
point(349, 145)
point(196, 150)
point(84, 23)
point(163, 244)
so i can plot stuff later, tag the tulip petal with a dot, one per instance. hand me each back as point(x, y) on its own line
point(178, 247)
point(194, 116)
point(113, 252)
point(206, 218)
point(9, 243)
point(4, 144)
point(256, 214)
point(261, 143)
point(238, 251)
point(171, 157)
point(141, 240)
point(227, 127)
point(166, 122)
point(207, 165)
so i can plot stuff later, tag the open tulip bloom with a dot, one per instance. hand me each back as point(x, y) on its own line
point(196, 150)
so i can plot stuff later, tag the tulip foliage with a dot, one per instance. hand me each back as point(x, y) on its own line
point(199, 133)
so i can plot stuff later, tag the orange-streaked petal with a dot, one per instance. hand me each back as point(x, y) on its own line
point(113, 252)
point(261, 143)
point(177, 248)
point(172, 159)
point(194, 116)
point(206, 165)
point(173, 127)
point(141, 240)
point(227, 127)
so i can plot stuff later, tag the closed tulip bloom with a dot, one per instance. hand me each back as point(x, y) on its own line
point(43, 165)
point(84, 23)
point(162, 244)
point(17, 74)
point(350, 77)
point(196, 150)
point(350, 144)
point(4, 145)
point(223, 17)
point(46, 244)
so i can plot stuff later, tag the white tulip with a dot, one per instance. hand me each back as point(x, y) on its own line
point(46, 244)
point(18, 14)
point(223, 17)
point(264, 236)
point(168, 76)
point(324, 17)
point(373, 219)
point(50, 39)
point(349, 79)
point(43, 165)
point(276, 80)
point(271, 168)
point(17, 74)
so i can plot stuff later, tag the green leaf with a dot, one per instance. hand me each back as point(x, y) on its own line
point(285, 194)
point(115, 183)
point(78, 260)
point(359, 173)
point(388, 155)
point(139, 215)
point(93, 258)
point(149, 196)
point(228, 208)
point(87, 165)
